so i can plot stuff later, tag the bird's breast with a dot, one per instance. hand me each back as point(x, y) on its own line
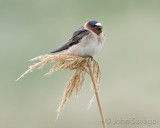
point(88, 46)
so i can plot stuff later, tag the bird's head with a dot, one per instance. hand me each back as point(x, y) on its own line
point(94, 26)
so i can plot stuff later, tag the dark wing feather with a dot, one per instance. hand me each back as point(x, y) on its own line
point(75, 39)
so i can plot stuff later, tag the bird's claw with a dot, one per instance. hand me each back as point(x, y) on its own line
point(89, 57)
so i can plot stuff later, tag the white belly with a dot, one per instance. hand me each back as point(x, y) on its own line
point(87, 47)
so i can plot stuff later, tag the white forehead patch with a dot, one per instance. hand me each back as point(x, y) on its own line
point(98, 24)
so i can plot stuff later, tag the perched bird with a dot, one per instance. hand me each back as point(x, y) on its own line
point(86, 41)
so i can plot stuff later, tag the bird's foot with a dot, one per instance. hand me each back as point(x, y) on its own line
point(90, 57)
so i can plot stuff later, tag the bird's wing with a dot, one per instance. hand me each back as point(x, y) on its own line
point(75, 39)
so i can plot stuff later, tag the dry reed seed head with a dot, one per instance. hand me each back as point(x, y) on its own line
point(68, 62)
point(76, 83)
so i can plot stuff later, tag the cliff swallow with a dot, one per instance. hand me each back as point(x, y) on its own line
point(86, 41)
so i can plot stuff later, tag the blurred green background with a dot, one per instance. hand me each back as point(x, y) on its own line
point(129, 61)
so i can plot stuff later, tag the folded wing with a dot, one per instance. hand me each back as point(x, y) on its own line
point(75, 39)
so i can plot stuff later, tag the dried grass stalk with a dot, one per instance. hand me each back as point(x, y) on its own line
point(91, 71)
point(68, 62)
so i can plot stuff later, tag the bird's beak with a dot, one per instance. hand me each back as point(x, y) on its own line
point(99, 27)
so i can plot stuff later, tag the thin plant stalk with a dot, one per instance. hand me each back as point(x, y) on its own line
point(71, 62)
point(96, 93)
